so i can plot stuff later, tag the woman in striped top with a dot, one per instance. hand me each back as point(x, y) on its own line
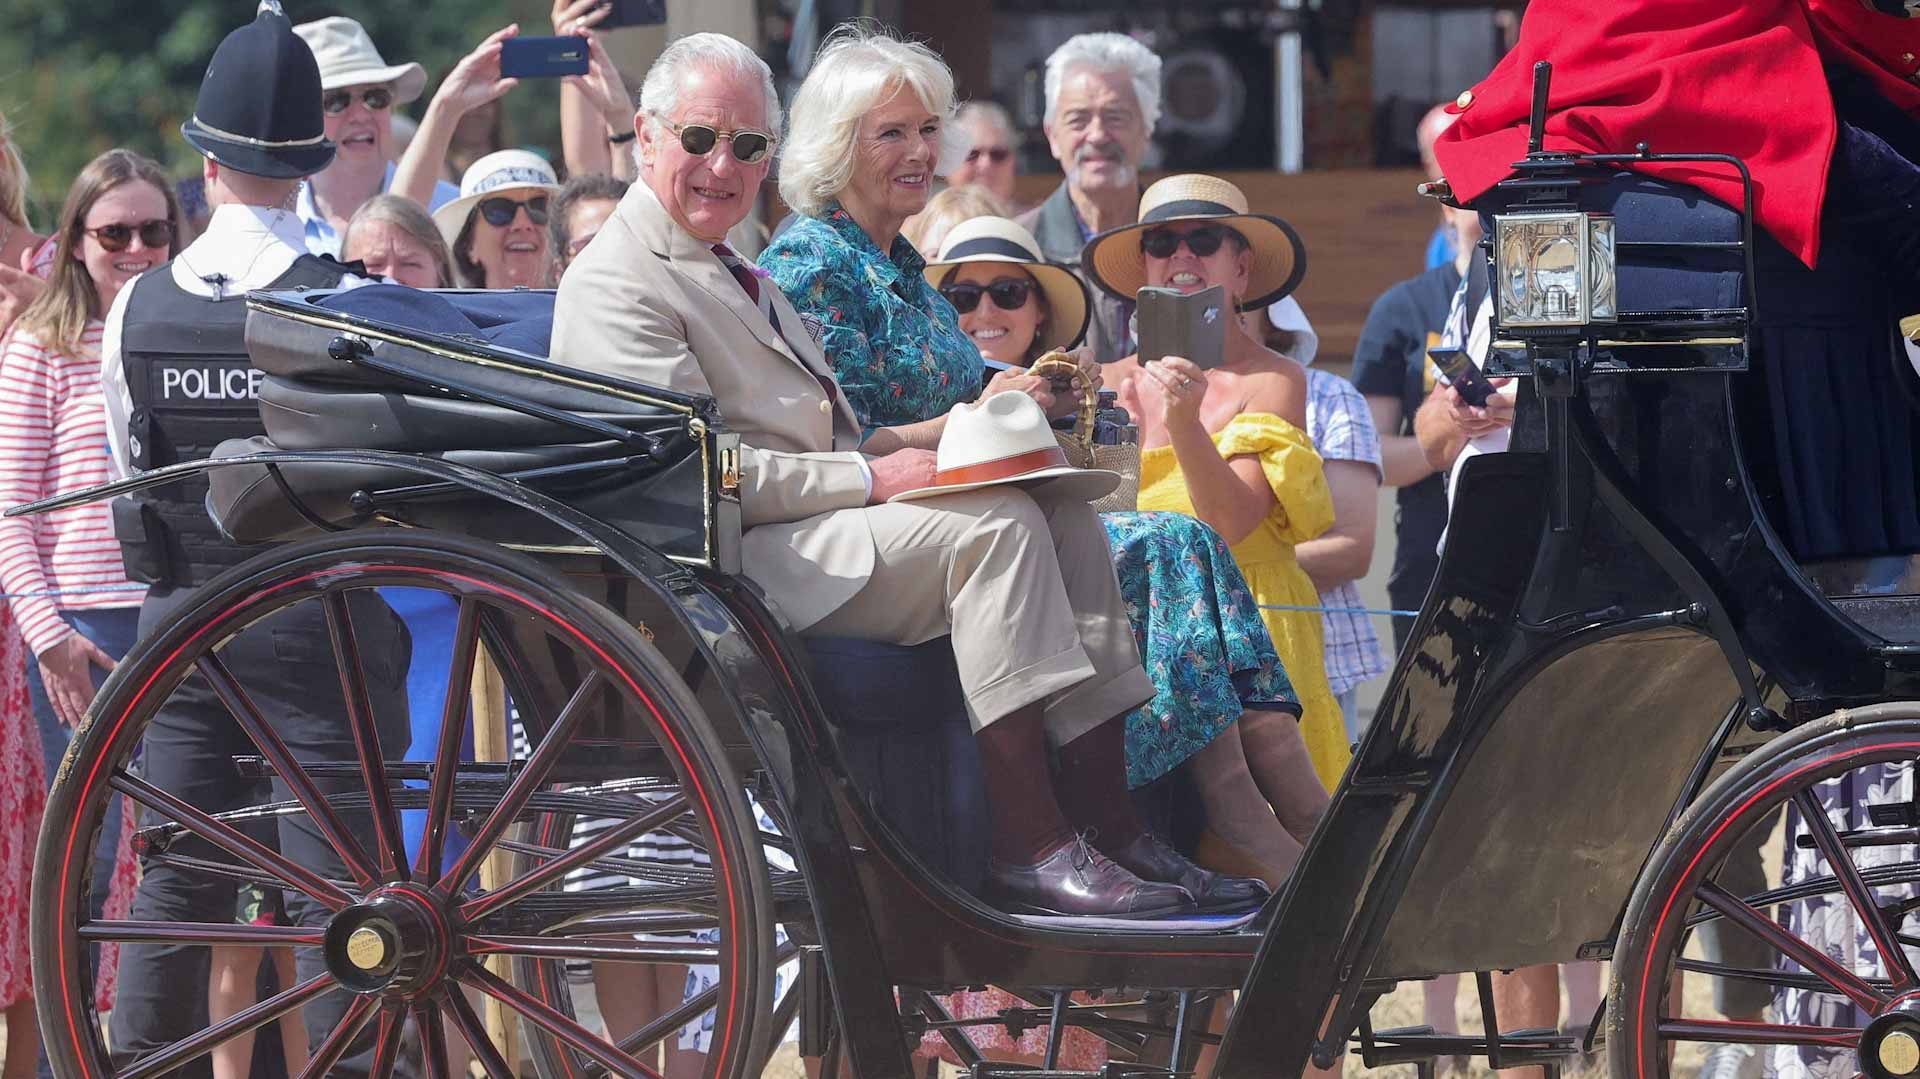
point(68, 593)
point(119, 221)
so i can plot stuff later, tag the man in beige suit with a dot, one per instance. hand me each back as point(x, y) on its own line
point(1025, 587)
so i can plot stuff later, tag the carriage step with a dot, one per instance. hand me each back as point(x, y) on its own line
point(1113, 1069)
point(1422, 1047)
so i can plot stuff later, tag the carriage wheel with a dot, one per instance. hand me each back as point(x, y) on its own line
point(1819, 938)
point(399, 939)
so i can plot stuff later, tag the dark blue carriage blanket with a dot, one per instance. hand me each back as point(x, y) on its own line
point(521, 319)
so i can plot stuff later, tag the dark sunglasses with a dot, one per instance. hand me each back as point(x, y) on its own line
point(996, 154)
point(155, 234)
point(1203, 241)
point(339, 101)
point(499, 210)
point(1006, 295)
point(749, 146)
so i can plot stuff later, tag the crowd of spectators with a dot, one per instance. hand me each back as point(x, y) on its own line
point(1259, 477)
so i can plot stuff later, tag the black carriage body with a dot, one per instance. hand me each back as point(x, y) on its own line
point(1573, 675)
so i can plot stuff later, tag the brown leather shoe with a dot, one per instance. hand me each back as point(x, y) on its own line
point(1151, 858)
point(1074, 879)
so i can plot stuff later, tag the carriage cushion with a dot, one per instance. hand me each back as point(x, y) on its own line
point(902, 723)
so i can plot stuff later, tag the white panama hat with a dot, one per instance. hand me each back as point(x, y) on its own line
point(502, 170)
point(998, 239)
point(1006, 439)
point(347, 58)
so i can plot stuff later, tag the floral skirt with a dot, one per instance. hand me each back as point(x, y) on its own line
point(1200, 634)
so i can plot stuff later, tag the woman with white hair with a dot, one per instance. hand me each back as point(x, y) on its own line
point(868, 130)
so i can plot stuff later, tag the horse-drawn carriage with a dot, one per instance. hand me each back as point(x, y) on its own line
point(1620, 669)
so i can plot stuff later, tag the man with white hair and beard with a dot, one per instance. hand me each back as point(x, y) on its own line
point(1102, 100)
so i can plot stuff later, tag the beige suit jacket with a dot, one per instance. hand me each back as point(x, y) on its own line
point(648, 301)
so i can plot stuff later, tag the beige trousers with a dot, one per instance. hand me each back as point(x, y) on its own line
point(1026, 588)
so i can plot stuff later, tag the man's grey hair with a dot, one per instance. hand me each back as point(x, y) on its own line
point(660, 90)
point(989, 112)
point(858, 69)
point(1107, 52)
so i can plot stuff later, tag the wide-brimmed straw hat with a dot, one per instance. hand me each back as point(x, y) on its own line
point(1006, 439)
point(996, 239)
point(502, 170)
point(1116, 263)
point(347, 58)
point(258, 111)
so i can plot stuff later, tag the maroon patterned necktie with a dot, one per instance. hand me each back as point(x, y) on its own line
point(749, 282)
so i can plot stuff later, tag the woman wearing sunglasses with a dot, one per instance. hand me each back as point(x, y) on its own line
point(118, 221)
point(1229, 445)
point(869, 128)
point(497, 228)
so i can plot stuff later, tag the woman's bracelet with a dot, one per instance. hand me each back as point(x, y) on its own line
point(617, 138)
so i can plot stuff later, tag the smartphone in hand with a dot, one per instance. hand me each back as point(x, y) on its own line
point(543, 57)
point(1463, 375)
point(1192, 326)
point(633, 13)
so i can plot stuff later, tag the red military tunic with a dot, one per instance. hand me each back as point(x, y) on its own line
point(1688, 76)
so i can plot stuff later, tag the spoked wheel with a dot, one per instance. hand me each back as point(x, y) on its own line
point(421, 886)
point(1788, 889)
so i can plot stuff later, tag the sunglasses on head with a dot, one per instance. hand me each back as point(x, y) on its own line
point(1203, 241)
point(499, 210)
point(996, 154)
point(339, 101)
point(155, 234)
point(748, 145)
point(1007, 295)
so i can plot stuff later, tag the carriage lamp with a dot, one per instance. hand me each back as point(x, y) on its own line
point(1554, 270)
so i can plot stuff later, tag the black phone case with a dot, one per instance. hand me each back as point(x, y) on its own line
point(635, 13)
point(1463, 375)
point(1192, 326)
point(543, 57)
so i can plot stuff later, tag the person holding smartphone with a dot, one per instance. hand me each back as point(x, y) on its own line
point(1227, 442)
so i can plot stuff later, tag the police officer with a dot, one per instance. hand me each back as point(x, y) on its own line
point(177, 382)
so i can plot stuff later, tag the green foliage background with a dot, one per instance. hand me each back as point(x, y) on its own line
point(77, 78)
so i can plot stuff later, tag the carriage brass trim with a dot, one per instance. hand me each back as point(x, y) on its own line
point(1899, 1053)
point(730, 470)
point(367, 948)
point(464, 357)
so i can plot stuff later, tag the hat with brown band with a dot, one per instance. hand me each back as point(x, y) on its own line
point(1279, 260)
point(1006, 439)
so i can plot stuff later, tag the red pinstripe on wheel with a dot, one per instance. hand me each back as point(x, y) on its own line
point(725, 1029)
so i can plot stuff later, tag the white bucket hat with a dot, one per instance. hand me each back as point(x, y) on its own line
point(1006, 439)
point(500, 171)
point(996, 239)
point(347, 58)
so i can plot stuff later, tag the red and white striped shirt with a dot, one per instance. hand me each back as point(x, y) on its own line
point(53, 439)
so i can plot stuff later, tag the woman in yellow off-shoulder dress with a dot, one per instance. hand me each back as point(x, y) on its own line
point(1229, 445)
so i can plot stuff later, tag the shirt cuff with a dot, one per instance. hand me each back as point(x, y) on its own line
point(866, 473)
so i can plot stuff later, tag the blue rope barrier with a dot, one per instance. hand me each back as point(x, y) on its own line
point(1338, 610)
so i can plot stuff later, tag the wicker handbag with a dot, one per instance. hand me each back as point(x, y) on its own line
point(1103, 435)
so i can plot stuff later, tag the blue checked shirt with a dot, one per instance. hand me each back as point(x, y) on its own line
point(1342, 430)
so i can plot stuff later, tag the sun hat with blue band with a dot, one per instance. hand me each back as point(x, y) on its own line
point(996, 239)
point(1115, 262)
point(497, 173)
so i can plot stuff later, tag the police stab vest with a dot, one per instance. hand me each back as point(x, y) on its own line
point(185, 358)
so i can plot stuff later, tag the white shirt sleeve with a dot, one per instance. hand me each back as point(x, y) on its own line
point(113, 388)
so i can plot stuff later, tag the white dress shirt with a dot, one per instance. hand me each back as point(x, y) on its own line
point(251, 245)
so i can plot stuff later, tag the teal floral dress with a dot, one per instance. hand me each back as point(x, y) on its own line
point(897, 349)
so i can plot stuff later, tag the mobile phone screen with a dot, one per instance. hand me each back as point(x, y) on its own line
point(635, 13)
